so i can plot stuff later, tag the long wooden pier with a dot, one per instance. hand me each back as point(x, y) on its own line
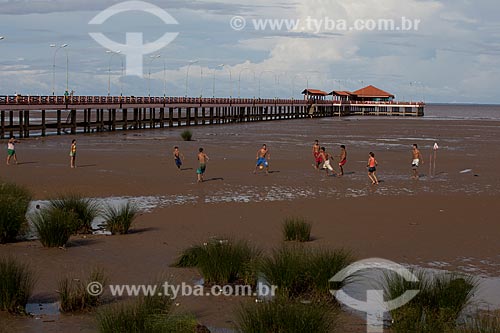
point(26, 116)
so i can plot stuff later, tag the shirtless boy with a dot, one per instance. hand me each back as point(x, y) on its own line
point(178, 157)
point(263, 156)
point(316, 154)
point(343, 159)
point(203, 159)
point(416, 160)
point(326, 161)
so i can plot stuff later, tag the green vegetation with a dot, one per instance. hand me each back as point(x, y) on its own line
point(73, 293)
point(54, 226)
point(222, 261)
point(298, 271)
point(186, 135)
point(481, 322)
point(118, 220)
point(16, 285)
point(151, 314)
point(85, 209)
point(285, 315)
point(14, 203)
point(189, 257)
point(296, 229)
point(436, 307)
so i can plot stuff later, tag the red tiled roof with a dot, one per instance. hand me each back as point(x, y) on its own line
point(314, 92)
point(372, 91)
point(340, 93)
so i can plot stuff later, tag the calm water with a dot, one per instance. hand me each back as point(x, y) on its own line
point(462, 111)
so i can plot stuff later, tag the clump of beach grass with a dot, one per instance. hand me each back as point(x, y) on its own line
point(189, 257)
point(73, 293)
point(118, 220)
point(481, 322)
point(187, 135)
point(296, 229)
point(299, 271)
point(285, 315)
point(16, 285)
point(54, 226)
point(436, 307)
point(149, 314)
point(222, 261)
point(14, 203)
point(85, 209)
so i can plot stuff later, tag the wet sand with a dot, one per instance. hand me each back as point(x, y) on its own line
point(449, 220)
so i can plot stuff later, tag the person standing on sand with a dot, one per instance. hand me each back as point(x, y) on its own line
point(203, 159)
point(416, 160)
point(263, 155)
point(316, 154)
point(178, 157)
point(326, 164)
point(72, 154)
point(11, 149)
point(343, 159)
point(372, 168)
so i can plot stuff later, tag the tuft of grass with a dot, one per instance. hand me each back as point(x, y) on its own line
point(298, 271)
point(228, 261)
point(222, 261)
point(186, 135)
point(118, 220)
point(436, 307)
point(73, 293)
point(189, 257)
point(150, 314)
point(481, 322)
point(85, 209)
point(54, 226)
point(296, 229)
point(285, 315)
point(16, 285)
point(14, 203)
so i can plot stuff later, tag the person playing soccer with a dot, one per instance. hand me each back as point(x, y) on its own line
point(203, 159)
point(372, 168)
point(263, 155)
point(72, 154)
point(343, 159)
point(178, 157)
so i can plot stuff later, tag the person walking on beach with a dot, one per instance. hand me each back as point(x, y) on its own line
point(11, 150)
point(316, 154)
point(416, 160)
point(178, 157)
point(263, 155)
point(72, 154)
point(343, 159)
point(326, 161)
point(372, 168)
point(203, 159)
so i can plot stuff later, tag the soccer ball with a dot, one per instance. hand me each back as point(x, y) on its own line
point(261, 167)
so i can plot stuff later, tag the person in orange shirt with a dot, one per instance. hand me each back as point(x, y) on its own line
point(372, 168)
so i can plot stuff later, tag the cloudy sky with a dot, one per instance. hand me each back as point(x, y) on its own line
point(452, 56)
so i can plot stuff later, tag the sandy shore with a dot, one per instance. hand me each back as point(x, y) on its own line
point(449, 220)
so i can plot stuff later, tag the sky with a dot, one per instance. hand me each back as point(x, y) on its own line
point(445, 51)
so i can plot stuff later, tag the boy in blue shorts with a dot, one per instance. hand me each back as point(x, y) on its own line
point(263, 156)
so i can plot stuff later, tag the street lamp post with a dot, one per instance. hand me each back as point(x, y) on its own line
point(54, 68)
point(152, 58)
point(213, 82)
point(111, 53)
point(187, 74)
point(260, 77)
point(239, 79)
